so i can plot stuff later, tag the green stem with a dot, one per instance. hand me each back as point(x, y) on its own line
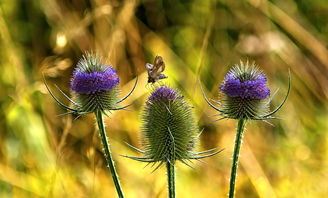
point(238, 141)
point(109, 160)
point(171, 179)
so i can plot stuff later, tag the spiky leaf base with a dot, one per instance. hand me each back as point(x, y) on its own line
point(244, 108)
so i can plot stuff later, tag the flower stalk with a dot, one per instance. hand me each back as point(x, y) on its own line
point(235, 157)
point(108, 156)
point(170, 169)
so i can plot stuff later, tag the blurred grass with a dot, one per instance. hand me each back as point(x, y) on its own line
point(46, 155)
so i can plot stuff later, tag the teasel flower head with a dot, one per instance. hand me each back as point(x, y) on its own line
point(94, 86)
point(245, 94)
point(169, 129)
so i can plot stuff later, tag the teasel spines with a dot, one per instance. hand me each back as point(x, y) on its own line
point(169, 126)
point(169, 129)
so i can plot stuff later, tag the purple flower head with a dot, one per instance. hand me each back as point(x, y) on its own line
point(245, 83)
point(164, 93)
point(84, 82)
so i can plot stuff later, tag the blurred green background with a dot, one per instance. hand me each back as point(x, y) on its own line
point(43, 154)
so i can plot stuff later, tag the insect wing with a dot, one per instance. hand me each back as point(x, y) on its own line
point(162, 76)
point(155, 70)
point(159, 65)
point(149, 68)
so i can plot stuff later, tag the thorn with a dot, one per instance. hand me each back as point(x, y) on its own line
point(119, 108)
point(206, 99)
point(285, 99)
point(160, 164)
point(56, 99)
point(125, 97)
point(220, 114)
point(209, 155)
point(168, 109)
point(72, 101)
point(221, 118)
point(203, 152)
point(269, 123)
point(273, 95)
point(134, 148)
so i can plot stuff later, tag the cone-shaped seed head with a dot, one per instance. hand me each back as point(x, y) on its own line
point(94, 84)
point(245, 92)
point(169, 127)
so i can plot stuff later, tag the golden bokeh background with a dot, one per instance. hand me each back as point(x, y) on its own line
point(46, 154)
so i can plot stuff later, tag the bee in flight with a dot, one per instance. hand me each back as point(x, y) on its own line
point(155, 70)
